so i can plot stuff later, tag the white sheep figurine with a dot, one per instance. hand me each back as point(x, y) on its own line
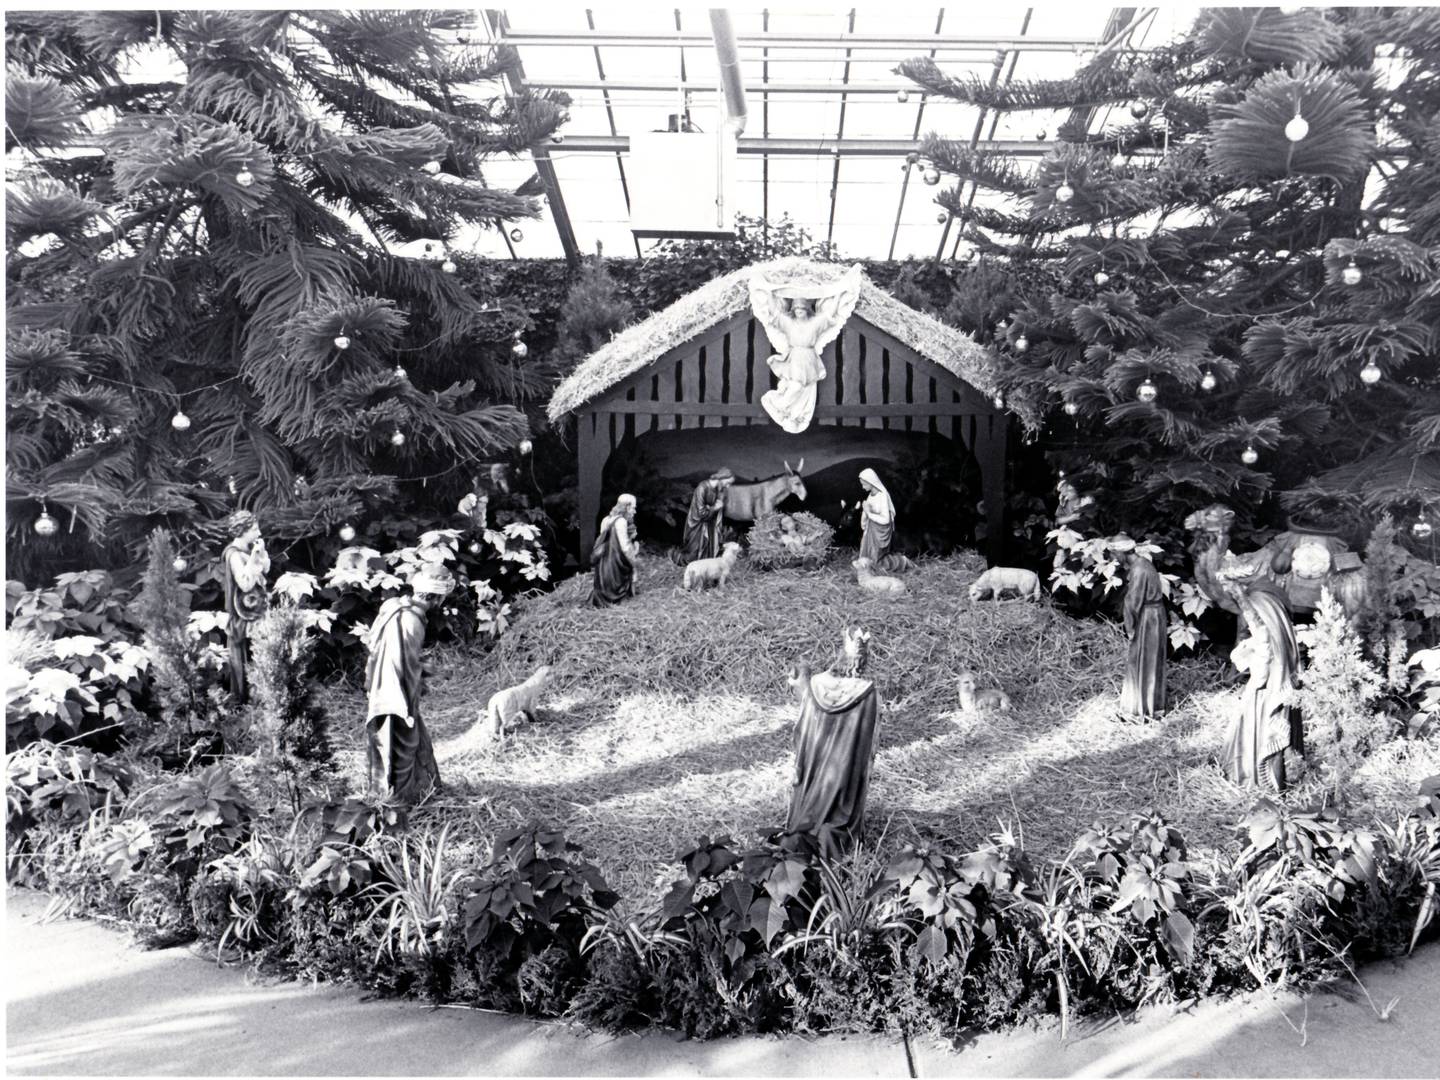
point(973, 700)
point(509, 705)
point(876, 584)
point(708, 572)
point(996, 581)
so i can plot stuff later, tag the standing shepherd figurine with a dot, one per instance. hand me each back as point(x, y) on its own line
point(1268, 723)
point(399, 754)
point(705, 520)
point(1143, 695)
point(834, 745)
point(613, 556)
point(245, 563)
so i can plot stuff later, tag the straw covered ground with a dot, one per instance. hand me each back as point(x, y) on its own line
point(668, 717)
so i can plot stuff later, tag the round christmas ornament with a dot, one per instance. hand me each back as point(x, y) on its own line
point(1064, 193)
point(1147, 391)
point(431, 167)
point(1249, 456)
point(347, 532)
point(912, 158)
point(931, 176)
point(448, 266)
point(902, 96)
point(1119, 161)
point(1351, 275)
point(397, 438)
point(516, 235)
point(941, 218)
point(342, 342)
point(244, 178)
point(1370, 373)
point(525, 446)
point(1139, 110)
point(1022, 343)
point(400, 373)
point(1040, 135)
point(473, 547)
point(557, 138)
point(46, 525)
point(1422, 529)
point(180, 422)
point(1071, 409)
point(1207, 381)
point(520, 349)
point(1102, 278)
point(1297, 128)
point(179, 564)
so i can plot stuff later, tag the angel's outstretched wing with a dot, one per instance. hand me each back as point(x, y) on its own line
point(839, 305)
point(767, 308)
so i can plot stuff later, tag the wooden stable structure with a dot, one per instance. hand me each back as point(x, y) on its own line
point(883, 373)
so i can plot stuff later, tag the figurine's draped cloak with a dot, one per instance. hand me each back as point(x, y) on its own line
point(400, 755)
point(704, 522)
point(1267, 722)
point(613, 568)
point(877, 522)
point(244, 603)
point(1143, 692)
point(834, 744)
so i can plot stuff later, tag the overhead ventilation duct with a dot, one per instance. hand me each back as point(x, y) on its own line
point(682, 181)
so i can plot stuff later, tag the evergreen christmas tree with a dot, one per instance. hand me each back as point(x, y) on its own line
point(204, 298)
point(1204, 281)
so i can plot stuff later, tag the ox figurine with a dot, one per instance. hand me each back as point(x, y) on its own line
point(750, 502)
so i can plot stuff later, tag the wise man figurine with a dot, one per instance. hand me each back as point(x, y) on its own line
point(705, 520)
point(399, 754)
point(1142, 696)
point(244, 564)
point(613, 556)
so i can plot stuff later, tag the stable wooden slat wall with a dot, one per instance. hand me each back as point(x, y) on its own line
point(718, 378)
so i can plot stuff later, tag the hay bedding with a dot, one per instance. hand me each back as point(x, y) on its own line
point(668, 717)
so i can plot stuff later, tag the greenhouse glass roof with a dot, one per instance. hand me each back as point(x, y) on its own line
point(827, 130)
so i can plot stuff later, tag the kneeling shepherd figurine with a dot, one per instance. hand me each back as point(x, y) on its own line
point(399, 753)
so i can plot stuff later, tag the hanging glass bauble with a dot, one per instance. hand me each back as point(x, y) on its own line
point(516, 235)
point(1422, 529)
point(342, 341)
point(431, 167)
point(931, 176)
point(400, 373)
point(1022, 343)
point(902, 96)
point(1064, 193)
point(397, 438)
point(448, 266)
point(1139, 110)
point(1119, 161)
point(1071, 409)
point(557, 138)
point(1370, 374)
point(244, 178)
point(180, 422)
point(525, 446)
point(46, 525)
point(179, 564)
point(473, 547)
point(1351, 275)
point(1249, 456)
point(1207, 381)
point(520, 349)
point(1297, 128)
point(1040, 135)
point(941, 218)
point(347, 533)
point(1147, 391)
point(1102, 278)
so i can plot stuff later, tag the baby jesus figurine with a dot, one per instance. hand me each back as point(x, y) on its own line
point(800, 321)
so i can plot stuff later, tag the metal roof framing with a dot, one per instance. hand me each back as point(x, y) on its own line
point(905, 178)
point(839, 134)
point(869, 42)
point(792, 147)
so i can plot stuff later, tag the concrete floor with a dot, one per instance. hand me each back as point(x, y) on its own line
point(81, 1001)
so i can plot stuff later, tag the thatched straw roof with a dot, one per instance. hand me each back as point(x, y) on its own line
point(690, 316)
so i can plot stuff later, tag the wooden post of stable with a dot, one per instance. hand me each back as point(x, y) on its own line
point(991, 435)
point(590, 472)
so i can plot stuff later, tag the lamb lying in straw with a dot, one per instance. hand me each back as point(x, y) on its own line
point(708, 572)
point(973, 700)
point(876, 584)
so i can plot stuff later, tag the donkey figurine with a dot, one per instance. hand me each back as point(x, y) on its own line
point(749, 502)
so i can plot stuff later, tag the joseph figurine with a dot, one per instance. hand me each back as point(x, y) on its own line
point(244, 564)
point(705, 521)
point(1142, 697)
point(399, 753)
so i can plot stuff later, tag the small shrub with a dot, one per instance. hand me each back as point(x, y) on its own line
point(1339, 689)
point(292, 727)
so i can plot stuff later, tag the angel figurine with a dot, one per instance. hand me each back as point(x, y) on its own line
point(799, 324)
